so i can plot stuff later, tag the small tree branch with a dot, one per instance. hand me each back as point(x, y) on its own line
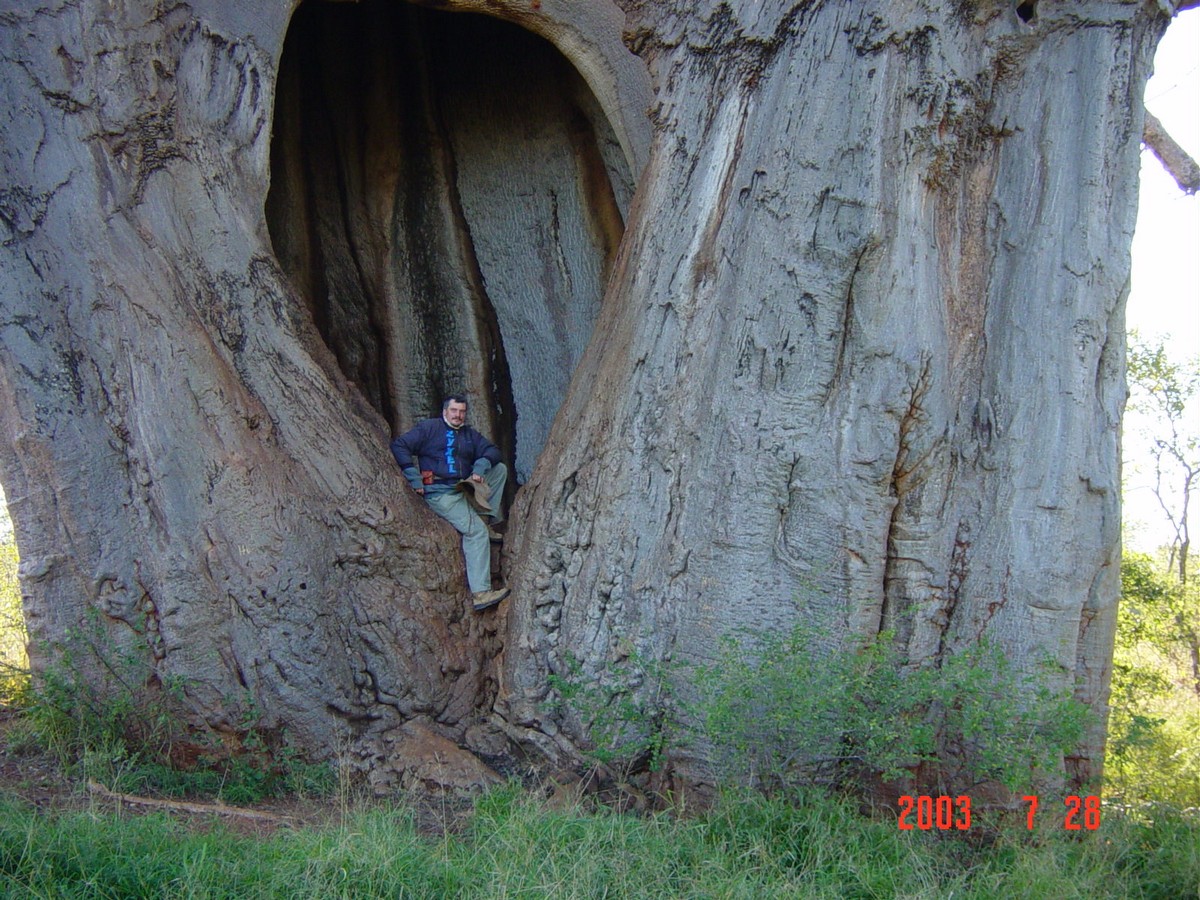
point(219, 809)
point(1174, 158)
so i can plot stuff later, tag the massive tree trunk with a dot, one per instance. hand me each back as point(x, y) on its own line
point(857, 356)
point(862, 362)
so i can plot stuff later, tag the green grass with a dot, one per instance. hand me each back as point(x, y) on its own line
point(815, 846)
point(798, 844)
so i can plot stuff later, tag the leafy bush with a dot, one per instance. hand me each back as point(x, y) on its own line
point(108, 715)
point(793, 712)
point(630, 728)
point(1154, 708)
point(14, 666)
point(98, 696)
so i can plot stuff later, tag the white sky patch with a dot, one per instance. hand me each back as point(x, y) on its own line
point(1164, 299)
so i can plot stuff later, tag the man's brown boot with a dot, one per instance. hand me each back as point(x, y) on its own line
point(487, 599)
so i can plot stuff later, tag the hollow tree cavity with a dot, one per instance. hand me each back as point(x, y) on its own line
point(447, 198)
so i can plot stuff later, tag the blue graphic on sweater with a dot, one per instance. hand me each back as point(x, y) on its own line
point(450, 464)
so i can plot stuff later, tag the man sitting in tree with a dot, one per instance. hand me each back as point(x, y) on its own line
point(458, 470)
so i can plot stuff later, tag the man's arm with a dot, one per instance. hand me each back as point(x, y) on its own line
point(487, 455)
point(407, 448)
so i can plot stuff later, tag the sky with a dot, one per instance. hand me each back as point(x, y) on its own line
point(1164, 300)
point(1166, 244)
point(1164, 297)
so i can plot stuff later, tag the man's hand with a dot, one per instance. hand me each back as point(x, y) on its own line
point(478, 479)
point(420, 491)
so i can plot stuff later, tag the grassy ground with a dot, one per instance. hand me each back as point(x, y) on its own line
point(514, 846)
point(58, 840)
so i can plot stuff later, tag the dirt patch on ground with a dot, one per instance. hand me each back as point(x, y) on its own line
point(38, 778)
point(29, 773)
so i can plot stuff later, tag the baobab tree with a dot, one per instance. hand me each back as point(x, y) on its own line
point(782, 311)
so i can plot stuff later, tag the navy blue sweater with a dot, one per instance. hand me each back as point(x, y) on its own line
point(451, 455)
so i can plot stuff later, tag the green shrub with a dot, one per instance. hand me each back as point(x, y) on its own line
point(629, 713)
point(14, 665)
point(1154, 713)
point(111, 718)
point(795, 712)
point(97, 696)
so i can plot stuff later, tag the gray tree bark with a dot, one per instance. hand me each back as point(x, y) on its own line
point(857, 359)
point(861, 365)
point(243, 245)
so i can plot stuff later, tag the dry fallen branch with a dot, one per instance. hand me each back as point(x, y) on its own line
point(1174, 158)
point(219, 809)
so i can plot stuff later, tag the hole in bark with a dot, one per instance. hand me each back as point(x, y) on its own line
point(447, 198)
point(1027, 10)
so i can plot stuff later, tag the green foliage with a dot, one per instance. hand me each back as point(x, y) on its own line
point(1162, 384)
point(811, 846)
point(14, 666)
point(239, 779)
point(1154, 717)
point(1160, 615)
point(1148, 600)
point(795, 712)
point(100, 697)
point(629, 728)
point(110, 717)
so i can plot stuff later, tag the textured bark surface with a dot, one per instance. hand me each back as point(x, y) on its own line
point(859, 360)
point(862, 364)
point(198, 379)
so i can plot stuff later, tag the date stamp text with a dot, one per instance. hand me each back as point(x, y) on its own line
point(946, 813)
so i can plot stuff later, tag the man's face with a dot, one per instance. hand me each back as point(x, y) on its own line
point(456, 414)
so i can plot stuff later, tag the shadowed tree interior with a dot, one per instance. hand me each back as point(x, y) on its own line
point(447, 198)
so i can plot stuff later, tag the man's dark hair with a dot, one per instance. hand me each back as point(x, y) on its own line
point(453, 398)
